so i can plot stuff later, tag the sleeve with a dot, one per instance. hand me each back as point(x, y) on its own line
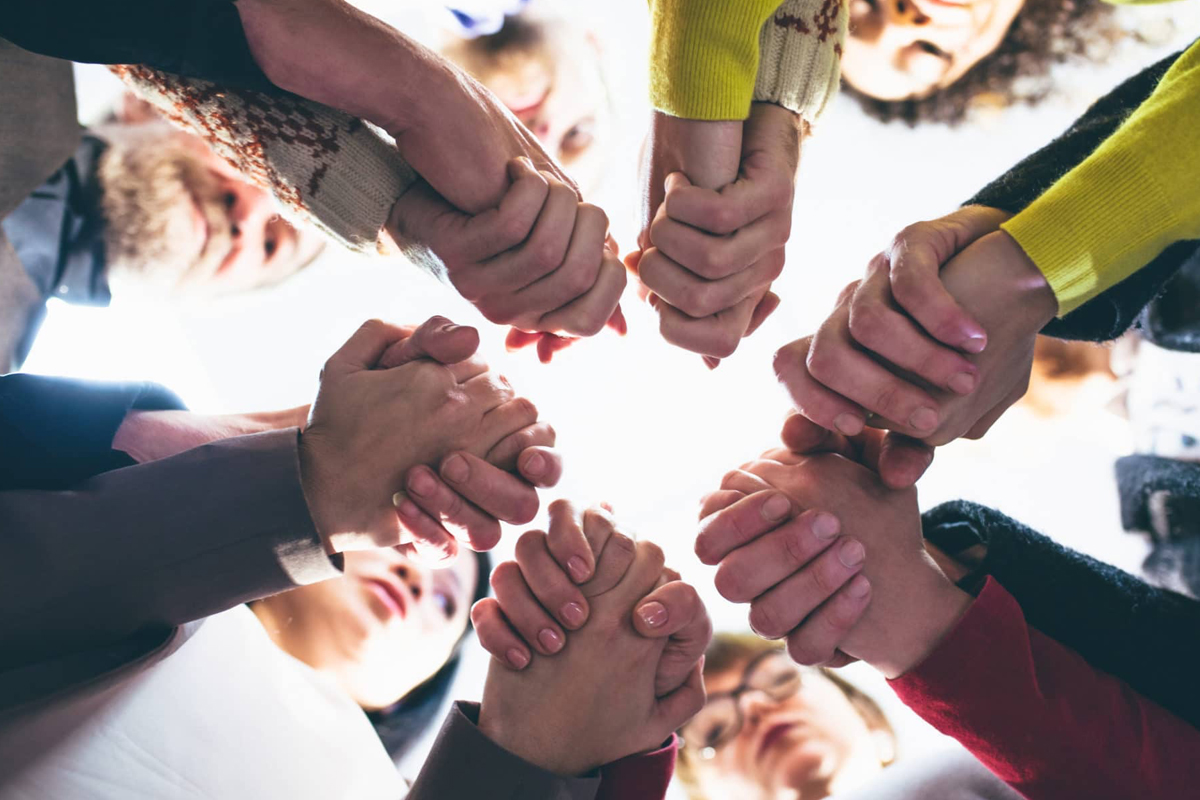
point(154, 546)
point(466, 763)
point(800, 50)
point(704, 56)
point(644, 776)
point(1112, 312)
point(325, 167)
point(197, 38)
point(1126, 202)
point(55, 432)
point(1118, 622)
point(1041, 718)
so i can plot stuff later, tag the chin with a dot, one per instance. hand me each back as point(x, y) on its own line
point(808, 768)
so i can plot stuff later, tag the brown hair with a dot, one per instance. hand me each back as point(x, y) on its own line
point(728, 650)
point(1044, 33)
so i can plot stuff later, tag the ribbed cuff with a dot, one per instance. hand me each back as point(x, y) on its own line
point(1096, 226)
point(704, 56)
point(800, 48)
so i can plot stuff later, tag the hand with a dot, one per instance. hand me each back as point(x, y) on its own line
point(368, 427)
point(712, 245)
point(595, 702)
point(540, 261)
point(540, 597)
point(816, 598)
point(448, 127)
point(836, 384)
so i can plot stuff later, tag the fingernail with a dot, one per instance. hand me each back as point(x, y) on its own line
point(963, 383)
point(851, 553)
point(535, 465)
point(825, 526)
point(653, 614)
point(449, 327)
point(573, 614)
point(924, 419)
point(848, 424)
point(455, 468)
point(776, 508)
point(859, 586)
point(421, 484)
point(578, 569)
point(550, 640)
point(517, 658)
point(975, 343)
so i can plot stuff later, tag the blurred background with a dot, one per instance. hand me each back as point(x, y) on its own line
point(644, 426)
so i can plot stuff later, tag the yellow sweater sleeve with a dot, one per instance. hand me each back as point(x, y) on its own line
point(704, 56)
point(1130, 199)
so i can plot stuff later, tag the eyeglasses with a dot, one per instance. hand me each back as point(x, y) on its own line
point(771, 673)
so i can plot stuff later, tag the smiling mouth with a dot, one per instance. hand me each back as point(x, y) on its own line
point(773, 734)
point(391, 597)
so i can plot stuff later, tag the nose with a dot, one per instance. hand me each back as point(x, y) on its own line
point(415, 578)
point(755, 704)
point(249, 210)
point(905, 12)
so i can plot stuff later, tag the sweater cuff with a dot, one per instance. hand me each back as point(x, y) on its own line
point(464, 762)
point(801, 50)
point(704, 56)
point(1082, 252)
point(644, 776)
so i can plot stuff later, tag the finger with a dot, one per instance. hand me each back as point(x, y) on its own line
point(506, 452)
point(765, 308)
point(685, 702)
point(723, 212)
point(802, 435)
point(540, 466)
point(522, 610)
point(490, 390)
point(719, 500)
point(839, 366)
point(698, 296)
point(784, 606)
point(455, 514)
point(751, 570)
point(498, 637)
point(612, 564)
point(838, 660)
point(824, 407)
point(674, 610)
point(715, 257)
point(878, 325)
point(989, 419)
point(518, 339)
point(507, 419)
point(430, 541)
point(718, 335)
point(496, 230)
point(498, 493)
point(568, 545)
point(903, 460)
point(741, 523)
point(617, 321)
point(472, 367)
point(642, 575)
point(740, 480)
point(365, 346)
point(549, 344)
point(437, 338)
point(548, 581)
point(816, 641)
point(575, 274)
point(589, 314)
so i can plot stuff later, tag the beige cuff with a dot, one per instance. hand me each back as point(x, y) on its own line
point(800, 55)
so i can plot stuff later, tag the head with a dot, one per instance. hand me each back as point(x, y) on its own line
point(182, 223)
point(549, 75)
point(935, 60)
point(772, 730)
point(385, 628)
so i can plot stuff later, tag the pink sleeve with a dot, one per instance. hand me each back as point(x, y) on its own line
point(639, 777)
point(1044, 720)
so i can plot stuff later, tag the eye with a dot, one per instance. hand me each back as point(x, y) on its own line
point(580, 137)
point(714, 734)
point(230, 199)
point(931, 48)
point(446, 603)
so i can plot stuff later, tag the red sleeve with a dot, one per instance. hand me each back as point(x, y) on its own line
point(1041, 718)
point(639, 777)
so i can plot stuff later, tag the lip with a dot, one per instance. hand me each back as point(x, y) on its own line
point(772, 735)
point(530, 108)
point(391, 596)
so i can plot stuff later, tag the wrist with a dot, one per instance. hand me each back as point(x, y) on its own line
point(514, 740)
point(1031, 293)
point(940, 606)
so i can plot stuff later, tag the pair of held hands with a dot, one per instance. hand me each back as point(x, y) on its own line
point(498, 217)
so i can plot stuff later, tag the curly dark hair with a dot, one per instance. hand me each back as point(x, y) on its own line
point(1044, 33)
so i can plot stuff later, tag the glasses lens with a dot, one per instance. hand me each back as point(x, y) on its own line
point(714, 725)
point(776, 676)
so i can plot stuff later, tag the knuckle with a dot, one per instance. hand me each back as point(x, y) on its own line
point(730, 584)
point(794, 552)
point(526, 409)
point(528, 544)
point(504, 575)
point(766, 620)
point(725, 343)
point(653, 553)
point(623, 544)
point(804, 651)
point(841, 616)
point(868, 322)
point(821, 361)
point(890, 401)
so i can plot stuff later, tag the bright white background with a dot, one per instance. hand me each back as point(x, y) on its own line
point(644, 426)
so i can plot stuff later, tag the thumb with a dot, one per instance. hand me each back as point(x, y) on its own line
point(685, 702)
point(437, 338)
point(363, 349)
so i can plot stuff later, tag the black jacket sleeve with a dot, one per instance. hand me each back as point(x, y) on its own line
point(1111, 313)
point(1119, 623)
point(194, 38)
point(55, 432)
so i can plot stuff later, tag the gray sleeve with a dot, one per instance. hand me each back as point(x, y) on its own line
point(153, 546)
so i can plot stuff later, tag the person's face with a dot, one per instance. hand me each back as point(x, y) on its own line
point(901, 49)
point(184, 223)
point(381, 629)
point(800, 736)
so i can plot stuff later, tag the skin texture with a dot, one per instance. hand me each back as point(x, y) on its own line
point(825, 747)
point(899, 49)
point(381, 629)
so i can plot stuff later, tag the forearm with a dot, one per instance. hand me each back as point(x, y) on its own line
point(1041, 718)
point(157, 544)
point(151, 435)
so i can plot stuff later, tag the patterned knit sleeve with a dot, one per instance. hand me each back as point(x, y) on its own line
point(800, 54)
point(325, 168)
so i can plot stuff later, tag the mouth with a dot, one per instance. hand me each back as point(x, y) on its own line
point(773, 735)
point(528, 106)
point(392, 598)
